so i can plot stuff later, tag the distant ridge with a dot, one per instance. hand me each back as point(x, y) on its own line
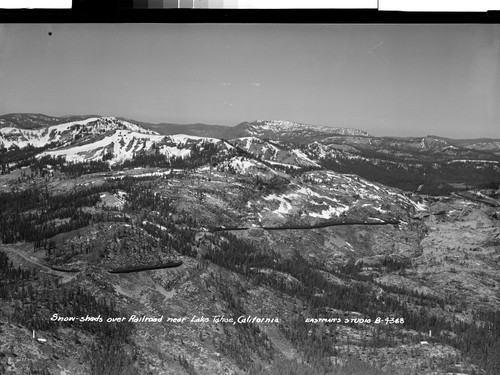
point(287, 131)
point(39, 130)
point(37, 120)
point(197, 129)
point(280, 130)
point(480, 144)
point(290, 131)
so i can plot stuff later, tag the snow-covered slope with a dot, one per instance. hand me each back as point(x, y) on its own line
point(121, 145)
point(67, 133)
point(275, 153)
point(246, 167)
point(318, 196)
point(103, 138)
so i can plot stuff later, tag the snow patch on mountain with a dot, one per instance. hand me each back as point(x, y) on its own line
point(183, 139)
point(303, 157)
point(245, 166)
point(271, 153)
point(67, 133)
point(310, 193)
point(121, 144)
point(330, 212)
point(285, 203)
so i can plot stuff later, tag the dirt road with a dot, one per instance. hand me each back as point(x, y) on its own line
point(18, 252)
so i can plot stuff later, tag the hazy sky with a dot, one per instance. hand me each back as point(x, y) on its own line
point(385, 79)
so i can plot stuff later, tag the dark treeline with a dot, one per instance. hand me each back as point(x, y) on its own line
point(18, 157)
point(33, 297)
point(76, 169)
point(479, 342)
point(200, 154)
point(30, 215)
point(244, 339)
point(419, 298)
point(408, 177)
point(314, 341)
point(39, 196)
point(44, 161)
point(156, 214)
point(37, 214)
point(354, 366)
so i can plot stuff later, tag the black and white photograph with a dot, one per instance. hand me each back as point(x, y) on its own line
point(250, 198)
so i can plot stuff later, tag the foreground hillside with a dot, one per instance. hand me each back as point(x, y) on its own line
point(244, 301)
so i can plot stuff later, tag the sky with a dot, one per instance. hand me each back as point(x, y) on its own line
point(399, 80)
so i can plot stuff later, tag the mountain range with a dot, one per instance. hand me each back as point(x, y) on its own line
point(402, 162)
point(271, 247)
point(275, 130)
